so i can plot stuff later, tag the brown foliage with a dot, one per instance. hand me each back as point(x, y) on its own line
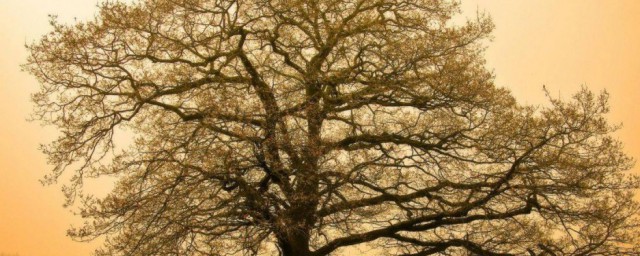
point(302, 127)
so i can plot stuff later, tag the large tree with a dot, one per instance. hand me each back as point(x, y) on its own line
point(304, 127)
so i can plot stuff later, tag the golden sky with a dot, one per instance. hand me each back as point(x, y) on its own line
point(561, 44)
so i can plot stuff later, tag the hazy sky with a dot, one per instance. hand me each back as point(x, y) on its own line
point(561, 44)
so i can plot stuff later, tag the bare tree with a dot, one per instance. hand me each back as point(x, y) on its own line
point(304, 127)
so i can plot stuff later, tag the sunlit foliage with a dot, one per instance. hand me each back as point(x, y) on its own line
point(303, 127)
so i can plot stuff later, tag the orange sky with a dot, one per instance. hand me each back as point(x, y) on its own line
point(561, 44)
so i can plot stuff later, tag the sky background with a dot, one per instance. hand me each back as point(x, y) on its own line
point(561, 44)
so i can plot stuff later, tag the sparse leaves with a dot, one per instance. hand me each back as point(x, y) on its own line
point(303, 127)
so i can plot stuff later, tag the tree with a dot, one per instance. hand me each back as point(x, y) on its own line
point(304, 127)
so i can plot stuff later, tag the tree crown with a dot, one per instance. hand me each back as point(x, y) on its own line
point(304, 127)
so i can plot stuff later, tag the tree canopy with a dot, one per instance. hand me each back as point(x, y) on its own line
point(266, 127)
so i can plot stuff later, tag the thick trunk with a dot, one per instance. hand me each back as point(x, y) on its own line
point(300, 217)
point(294, 244)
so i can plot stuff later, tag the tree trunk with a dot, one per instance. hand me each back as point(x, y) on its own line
point(294, 240)
point(294, 244)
